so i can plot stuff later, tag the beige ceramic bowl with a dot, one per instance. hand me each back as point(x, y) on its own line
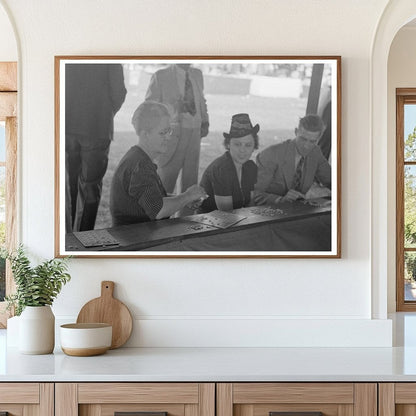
point(83, 340)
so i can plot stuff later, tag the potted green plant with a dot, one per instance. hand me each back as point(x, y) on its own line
point(36, 289)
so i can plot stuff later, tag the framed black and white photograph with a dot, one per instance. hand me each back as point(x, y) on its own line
point(198, 156)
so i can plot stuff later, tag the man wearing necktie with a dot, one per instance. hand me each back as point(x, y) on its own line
point(286, 171)
point(181, 88)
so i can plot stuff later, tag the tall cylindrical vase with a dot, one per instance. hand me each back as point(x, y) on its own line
point(37, 330)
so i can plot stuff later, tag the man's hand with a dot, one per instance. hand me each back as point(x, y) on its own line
point(292, 195)
point(261, 198)
point(204, 129)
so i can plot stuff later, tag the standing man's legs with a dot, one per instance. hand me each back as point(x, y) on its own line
point(68, 205)
point(94, 160)
point(190, 164)
point(72, 168)
point(169, 171)
point(185, 158)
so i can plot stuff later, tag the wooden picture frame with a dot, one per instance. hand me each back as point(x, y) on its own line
point(405, 167)
point(275, 91)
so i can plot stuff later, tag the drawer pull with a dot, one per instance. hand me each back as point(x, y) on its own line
point(140, 414)
point(295, 414)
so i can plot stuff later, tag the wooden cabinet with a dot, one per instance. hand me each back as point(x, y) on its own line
point(332, 399)
point(397, 399)
point(208, 399)
point(27, 399)
point(105, 399)
point(222, 399)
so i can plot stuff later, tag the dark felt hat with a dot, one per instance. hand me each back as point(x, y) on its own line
point(241, 126)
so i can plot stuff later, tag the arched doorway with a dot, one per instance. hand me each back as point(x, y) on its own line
point(401, 96)
point(397, 14)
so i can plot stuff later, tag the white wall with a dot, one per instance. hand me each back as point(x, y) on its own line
point(401, 74)
point(8, 46)
point(203, 302)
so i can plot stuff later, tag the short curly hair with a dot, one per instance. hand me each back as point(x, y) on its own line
point(226, 141)
point(148, 115)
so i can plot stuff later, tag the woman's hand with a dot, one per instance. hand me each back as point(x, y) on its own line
point(195, 192)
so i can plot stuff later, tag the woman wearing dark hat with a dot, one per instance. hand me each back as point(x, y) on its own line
point(229, 180)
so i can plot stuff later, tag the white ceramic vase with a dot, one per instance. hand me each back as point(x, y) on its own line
point(37, 330)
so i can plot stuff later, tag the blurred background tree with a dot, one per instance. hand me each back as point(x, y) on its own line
point(410, 205)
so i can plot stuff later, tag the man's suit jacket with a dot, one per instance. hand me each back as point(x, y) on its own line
point(276, 169)
point(93, 95)
point(164, 88)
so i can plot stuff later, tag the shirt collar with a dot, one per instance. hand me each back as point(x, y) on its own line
point(180, 70)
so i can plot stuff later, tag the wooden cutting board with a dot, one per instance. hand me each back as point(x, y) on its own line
point(111, 311)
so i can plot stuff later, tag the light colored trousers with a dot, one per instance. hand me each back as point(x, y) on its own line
point(183, 154)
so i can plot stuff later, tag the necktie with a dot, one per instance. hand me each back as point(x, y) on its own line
point(188, 97)
point(297, 179)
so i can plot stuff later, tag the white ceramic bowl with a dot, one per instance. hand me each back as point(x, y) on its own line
point(85, 339)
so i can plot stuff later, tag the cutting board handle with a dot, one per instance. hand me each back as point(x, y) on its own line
point(107, 289)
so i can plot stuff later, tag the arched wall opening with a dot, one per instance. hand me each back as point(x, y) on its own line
point(396, 15)
point(401, 73)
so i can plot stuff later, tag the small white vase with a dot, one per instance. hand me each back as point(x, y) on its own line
point(37, 330)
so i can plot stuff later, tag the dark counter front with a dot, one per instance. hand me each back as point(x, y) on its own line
point(294, 227)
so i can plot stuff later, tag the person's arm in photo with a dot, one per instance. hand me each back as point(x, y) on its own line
point(221, 184)
point(266, 165)
point(117, 88)
point(154, 92)
point(323, 172)
point(224, 203)
point(204, 111)
point(252, 203)
point(172, 204)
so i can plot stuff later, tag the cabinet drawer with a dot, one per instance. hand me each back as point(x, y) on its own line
point(21, 399)
point(19, 393)
point(293, 392)
point(107, 399)
point(268, 399)
point(138, 393)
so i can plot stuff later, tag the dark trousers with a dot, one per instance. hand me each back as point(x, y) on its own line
point(86, 164)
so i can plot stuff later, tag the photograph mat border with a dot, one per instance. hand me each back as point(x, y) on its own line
point(334, 61)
